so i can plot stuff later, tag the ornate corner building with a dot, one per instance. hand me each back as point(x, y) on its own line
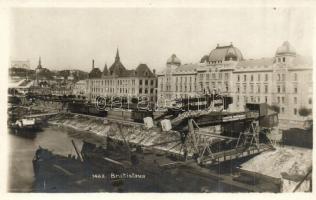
point(283, 81)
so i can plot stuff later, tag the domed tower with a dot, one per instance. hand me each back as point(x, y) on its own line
point(225, 53)
point(173, 61)
point(285, 53)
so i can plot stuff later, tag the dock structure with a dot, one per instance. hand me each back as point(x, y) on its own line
point(41, 115)
point(193, 142)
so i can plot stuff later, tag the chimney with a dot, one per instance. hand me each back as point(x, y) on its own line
point(92, 63)
point(154, 71)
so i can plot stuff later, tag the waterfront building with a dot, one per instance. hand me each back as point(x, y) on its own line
point(117, 81)
point(283, 81)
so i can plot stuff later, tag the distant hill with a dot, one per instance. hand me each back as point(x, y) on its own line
point(74, 75)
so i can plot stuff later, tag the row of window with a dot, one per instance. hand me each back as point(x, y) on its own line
point(146, 82)
point(258, 89)
point(184, 79)
point(146, 91)
point(252, 99)
point(213, 76)
point(266, 77)
point(280, 77)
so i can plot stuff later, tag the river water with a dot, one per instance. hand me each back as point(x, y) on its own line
point(21, 176)
point(58, 140)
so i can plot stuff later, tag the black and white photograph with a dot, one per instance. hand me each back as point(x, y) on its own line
point(159, 99)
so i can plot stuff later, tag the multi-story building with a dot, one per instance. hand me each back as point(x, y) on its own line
point(283, 81)
point(117, 81)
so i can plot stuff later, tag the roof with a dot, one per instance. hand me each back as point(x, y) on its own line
point(186, 68)
point(143, 70)
point(256, 62)
point(286, 48)
point(95, 73)
point(117, 68)
point(204, 59)
point(225, 53)
point(302, 60)
point(105, 70)
point(174, 60)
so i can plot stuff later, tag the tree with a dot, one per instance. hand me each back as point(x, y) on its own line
point(304, 112)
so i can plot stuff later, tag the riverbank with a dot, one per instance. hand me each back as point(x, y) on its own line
point(135, 135)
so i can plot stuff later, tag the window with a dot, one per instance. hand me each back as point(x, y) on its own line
point(259, 77)
point(266, 77)
point(283, 88)
point(283, 99)
point(238, 78)
point(245, 88)
point(258, 87)
point(278, 100)
point(283, 77)
point(310, 101)
point(226, 76)
point(295, 111)
point(251, 78)
point(213, 75)
point(283, 110)
point(295, 90)
point(207, 76)
point(238, 89)
point(151, 82)
point(140, 82)
point(251, 88)
point(283, 59)
point(140, 90)
point(295, 77)
point(295, 100)
point(266, 88)
point(146, 82)
point(245, 77)
point(266, 99)
point(279, 89)
point(151, 91)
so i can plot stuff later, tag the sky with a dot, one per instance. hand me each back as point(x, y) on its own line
point(69, 38)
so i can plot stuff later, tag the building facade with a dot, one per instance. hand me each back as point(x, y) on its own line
point(283, 81)
point(25, 64)
point(117, 81)
point(80, 88)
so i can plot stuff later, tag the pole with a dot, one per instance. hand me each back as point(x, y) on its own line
point(75, 147)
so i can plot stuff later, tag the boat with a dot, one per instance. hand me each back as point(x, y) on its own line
point(25, 125)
